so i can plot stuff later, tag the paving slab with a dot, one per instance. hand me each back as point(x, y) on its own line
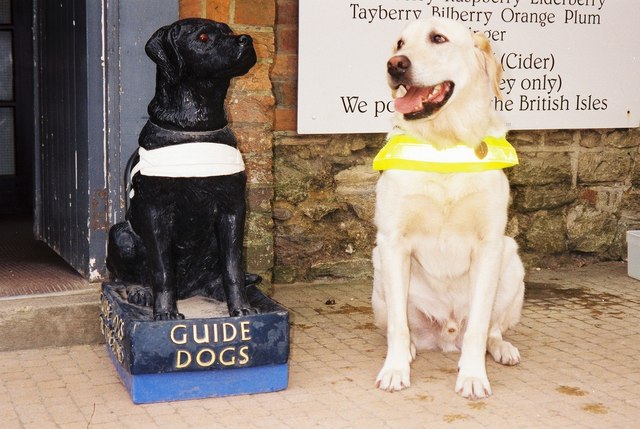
point(579, 338)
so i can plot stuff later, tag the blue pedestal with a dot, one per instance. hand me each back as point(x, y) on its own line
point(199, 357)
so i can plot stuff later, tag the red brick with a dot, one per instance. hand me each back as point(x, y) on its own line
point(287, 39)
point(286, 92)
point(251, 108)
point(285, 119)
point(255, 12)
point(284, 67)
point(287, 12)
point(253, 138)
point(259, 198)
point(191, 9)
point(259, 169)
point(218, 10)
point(264, 44)
point(256, 80)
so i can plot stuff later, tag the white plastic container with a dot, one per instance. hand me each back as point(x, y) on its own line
point(633, 260)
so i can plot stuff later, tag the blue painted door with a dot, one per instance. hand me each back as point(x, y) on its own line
point(92, 86)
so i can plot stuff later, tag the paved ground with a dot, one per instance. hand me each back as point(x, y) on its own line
point(579, 338)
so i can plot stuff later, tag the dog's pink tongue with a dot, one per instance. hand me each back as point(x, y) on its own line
point(412, 101)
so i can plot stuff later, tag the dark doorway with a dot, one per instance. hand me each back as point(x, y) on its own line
point(16, 108)
point(74, 85)
point(27, 266)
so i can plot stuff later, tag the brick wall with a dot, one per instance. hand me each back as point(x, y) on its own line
point(575, 193)
point(250, 107)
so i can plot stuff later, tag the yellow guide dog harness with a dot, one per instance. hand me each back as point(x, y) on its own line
point(405, 152)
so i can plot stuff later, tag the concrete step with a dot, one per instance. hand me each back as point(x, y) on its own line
point(51, 320)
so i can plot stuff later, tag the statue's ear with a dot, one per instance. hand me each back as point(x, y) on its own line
point(161, 48)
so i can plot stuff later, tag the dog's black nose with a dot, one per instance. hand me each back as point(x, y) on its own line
point(244, 40)
point(398, 65)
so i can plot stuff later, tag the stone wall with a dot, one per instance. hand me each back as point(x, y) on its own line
point(575, 194)
point(323, 208)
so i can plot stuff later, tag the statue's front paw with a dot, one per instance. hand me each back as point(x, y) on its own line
point(243, 311)
point(168, 315)
point(139, 295)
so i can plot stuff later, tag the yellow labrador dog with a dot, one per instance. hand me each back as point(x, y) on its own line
point(445, 275)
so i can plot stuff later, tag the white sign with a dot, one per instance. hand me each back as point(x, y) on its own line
point(567, 63)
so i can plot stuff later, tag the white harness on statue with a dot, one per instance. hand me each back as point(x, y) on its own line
point(189, 160)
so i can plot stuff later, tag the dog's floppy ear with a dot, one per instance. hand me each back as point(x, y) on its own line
point(488, 61)
point(161, 48)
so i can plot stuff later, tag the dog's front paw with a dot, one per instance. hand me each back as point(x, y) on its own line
point(393, 379)
point(243, 311)
point(503, 352)
point(473, 387)
point(168, 315)
point(139, 295)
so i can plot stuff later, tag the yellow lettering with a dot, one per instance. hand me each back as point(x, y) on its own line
point(119, 353)
point(229, 332)
point(212, 357)
point(245, 330)
point(205, 338)
point(105, 306)
point(227, 362)
point(118, 327)
point(215, 333)
point(110, 339)
point(183, 354)
point(182, 339)
point(244, 356)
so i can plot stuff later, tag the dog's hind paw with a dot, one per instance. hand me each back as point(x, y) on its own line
point(473, 387)
point(393, 379)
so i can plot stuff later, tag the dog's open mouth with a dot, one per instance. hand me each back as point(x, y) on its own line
point(416, 102)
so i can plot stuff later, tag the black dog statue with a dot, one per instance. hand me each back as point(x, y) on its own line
point(184, 228)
